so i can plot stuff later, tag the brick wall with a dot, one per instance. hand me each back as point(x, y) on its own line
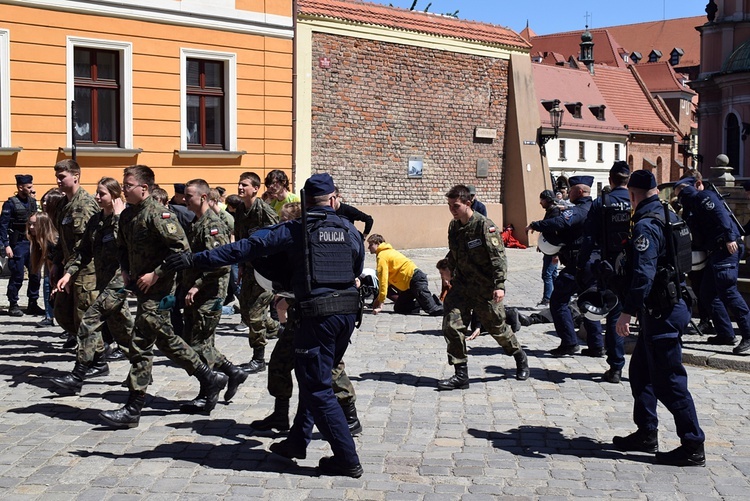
point(642, 150)
point(380, 103)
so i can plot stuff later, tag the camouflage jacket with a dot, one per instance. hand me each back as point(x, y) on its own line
point(99, 243)
point(149, 232)
point(247, 220)
point(205, 233)
point(71, 224)
point(476, 255)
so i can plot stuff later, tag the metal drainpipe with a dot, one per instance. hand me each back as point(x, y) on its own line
point(294, 94)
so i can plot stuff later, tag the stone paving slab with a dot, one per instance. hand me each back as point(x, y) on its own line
point(545, 438)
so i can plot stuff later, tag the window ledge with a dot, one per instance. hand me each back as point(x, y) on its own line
point(87, 151)
point(6, 152)
point(209, 153)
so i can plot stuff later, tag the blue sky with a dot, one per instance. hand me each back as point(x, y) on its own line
point(550, 16)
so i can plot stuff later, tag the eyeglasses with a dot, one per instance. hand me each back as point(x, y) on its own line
point(128, 187)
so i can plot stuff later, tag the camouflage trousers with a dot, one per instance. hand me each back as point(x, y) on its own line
point(458, 307)
point(281, 364)
point(152, 326)
point(110, 307)
point(254, 301)
point(70, 306)
point(201, 320)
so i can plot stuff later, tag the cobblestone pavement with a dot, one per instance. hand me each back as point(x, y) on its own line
point(545, 438)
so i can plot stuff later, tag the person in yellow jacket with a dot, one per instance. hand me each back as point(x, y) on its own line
point(398, 271)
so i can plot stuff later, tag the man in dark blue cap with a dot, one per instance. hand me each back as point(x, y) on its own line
point(656, 370)
point(15, 213)
point(715, 232)
point(605, 234)
point(569, 226)
point(323, 260)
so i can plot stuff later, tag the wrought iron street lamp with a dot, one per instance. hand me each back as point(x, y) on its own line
point(555, 118)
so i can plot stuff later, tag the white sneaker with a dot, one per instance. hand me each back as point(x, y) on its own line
point(242, 328)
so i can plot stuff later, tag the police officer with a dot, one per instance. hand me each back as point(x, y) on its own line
point(322, 277)
point(569, 226)
point(476, 257)
point(714, 228)
point(656, 370)
point(605, 233)
point(16, 211)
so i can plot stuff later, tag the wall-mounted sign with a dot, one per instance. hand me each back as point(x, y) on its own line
point(485, 133)
point(324, 62)
point(483, 167)
point(529, 143)
point(415, 167)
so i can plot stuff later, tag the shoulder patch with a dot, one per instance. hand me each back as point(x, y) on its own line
point(641, 243)
point(171, 228)
point(567, 214)
point(491, 229)
point(494, 241)
point(166, 215)
point(214, 232)
point(708, 204)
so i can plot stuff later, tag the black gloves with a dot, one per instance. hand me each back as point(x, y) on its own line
point(178, 261)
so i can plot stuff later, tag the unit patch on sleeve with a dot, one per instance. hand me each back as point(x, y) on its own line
point(641, 243)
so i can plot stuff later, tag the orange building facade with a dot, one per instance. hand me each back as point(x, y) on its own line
point(193, 89)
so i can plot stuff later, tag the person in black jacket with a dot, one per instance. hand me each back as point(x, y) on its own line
point(353, 214)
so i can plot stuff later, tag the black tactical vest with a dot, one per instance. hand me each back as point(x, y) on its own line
point(331, 261)
point(615, 227)
point(17, 228)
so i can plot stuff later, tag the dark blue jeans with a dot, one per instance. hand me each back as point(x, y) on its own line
point(549, 274)
point(319, 346)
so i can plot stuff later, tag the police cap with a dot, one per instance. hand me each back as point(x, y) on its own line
point(319, 184)
point(24, 179)
point(547, 195)
point(642, 179)
point(587, 180)
point(179, 188)
point(619, 167)
point(687, 181)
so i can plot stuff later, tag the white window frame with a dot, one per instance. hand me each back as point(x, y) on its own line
point(125, 49)
point(5, 89)
point(230, 94)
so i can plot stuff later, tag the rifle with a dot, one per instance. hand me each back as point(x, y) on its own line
point(710, 186)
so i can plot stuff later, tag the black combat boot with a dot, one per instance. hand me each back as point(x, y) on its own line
point(350, 412)
point(236, 377)
point(278, 420)
point(258, 363)
point(211, 385)
point(72, 382)
point(98, 367)
point(684, 455)
point(459, 381)
point(639, 440)
point(522, 365)
point(34, 309)
point(129, 415)
point(15, 311)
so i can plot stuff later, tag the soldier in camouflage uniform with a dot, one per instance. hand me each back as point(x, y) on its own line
point(79, 206)
point(148, 233)
point(254, 299)
point(476, 257)
point(205, 291)
point(99, 243)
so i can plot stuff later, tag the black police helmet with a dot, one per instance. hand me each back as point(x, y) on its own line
point(596, 304)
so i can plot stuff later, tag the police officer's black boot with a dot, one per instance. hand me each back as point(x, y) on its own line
point(278, 420)
point(129, 415)
point(236, 377)
point(211, 385)
point(15, 311)
point(350, 412)
point(72, 382)
point(522, 365)
point(258, 363)
point(459, 381)
point(98, 367)
point(34, 309)
point(639, 440)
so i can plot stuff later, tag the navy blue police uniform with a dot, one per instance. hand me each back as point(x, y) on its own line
point(327, 303)
point(713, 228)
point(656, 371)
point(569, 226)
point(15, 213)
point(600, 231)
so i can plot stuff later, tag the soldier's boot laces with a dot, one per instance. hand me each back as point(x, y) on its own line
point(350, 412)
point(522, 365)
point(459, 381)
point(73, 381)
point(211, 385)
point(129, 415)
point(236, 377)
point(278, 420)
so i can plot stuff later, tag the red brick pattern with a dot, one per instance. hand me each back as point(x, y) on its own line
point(380, 103)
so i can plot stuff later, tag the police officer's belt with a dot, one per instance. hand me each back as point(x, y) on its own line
point(337, 303)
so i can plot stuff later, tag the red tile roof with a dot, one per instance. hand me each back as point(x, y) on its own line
point(606, 49)
point(661, 77)
point(355, 11)
point(629, 100)
point(571, 86)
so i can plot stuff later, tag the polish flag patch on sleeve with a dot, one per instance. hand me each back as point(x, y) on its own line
point(492, 229)
point(214, 232)
point(166, 215)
